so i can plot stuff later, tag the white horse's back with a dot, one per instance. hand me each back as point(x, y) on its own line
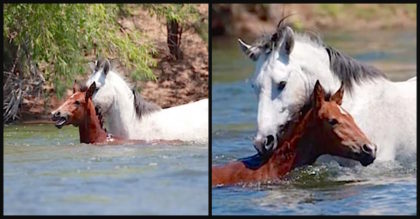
point(406, 119)
point(188, 122)
point(386, 113)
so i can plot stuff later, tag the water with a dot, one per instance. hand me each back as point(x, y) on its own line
point(47, 171)
point(322, 188)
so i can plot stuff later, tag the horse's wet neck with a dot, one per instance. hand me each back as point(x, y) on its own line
point(90, 130)
point(294, 151)
point(307, 150)
point(84, 131)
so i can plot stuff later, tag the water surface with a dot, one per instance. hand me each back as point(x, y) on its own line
point(47, 171)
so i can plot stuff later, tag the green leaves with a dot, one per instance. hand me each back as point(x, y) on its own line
point(61, 34)
point(181, 13)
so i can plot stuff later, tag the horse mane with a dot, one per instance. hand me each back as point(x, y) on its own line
point(346, 68)
point(349, 70)
point(142, 106)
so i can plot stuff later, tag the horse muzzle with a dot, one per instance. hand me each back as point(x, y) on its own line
point(368, 154)
point(60, 120)
point(265, 146)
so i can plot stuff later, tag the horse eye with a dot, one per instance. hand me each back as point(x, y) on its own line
point(281, 85)
point(332, 121)
point(77, 102)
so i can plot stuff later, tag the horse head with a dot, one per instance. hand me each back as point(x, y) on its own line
point(74, 109)
point(334, 130)
point(281, 80)
point(104, 94)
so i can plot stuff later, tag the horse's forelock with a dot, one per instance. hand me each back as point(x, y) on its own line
point(102, 63)
point(272, 41)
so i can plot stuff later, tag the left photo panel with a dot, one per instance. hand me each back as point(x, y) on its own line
point(105, 109)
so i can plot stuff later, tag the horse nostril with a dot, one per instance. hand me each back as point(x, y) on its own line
point(367, 149)
point(258, 145)
point(269, 140)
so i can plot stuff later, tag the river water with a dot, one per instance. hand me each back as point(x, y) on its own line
point(322, 188)
point(47, 171)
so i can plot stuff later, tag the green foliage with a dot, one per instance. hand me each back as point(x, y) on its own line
point(184, 14)
point(332, 10)
point(181, 13)
point(57, 36)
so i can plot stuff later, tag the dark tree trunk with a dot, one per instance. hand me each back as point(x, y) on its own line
point(174, 32)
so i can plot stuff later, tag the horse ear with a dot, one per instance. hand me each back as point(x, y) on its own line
point(90, 91)
point(338, 96)
point(107, 66)
point(318, 95)
point(250, 51)
point(75, 87)
point(289, 40)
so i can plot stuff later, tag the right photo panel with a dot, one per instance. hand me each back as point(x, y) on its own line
point(314, 109)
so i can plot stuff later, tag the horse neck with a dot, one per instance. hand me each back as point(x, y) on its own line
point(124, 93)
point(123, 115)
point(254, 168)
point(90, 130)
point(314, 61)
point(291, 151)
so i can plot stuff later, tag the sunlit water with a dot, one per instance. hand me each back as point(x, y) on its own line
point(47, 171)
point(322, 188)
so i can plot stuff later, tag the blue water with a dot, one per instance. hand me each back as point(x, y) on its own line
point(47, 171)
point(321, 188)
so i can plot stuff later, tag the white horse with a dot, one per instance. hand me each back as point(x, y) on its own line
point(287, 67)
point(128, 115)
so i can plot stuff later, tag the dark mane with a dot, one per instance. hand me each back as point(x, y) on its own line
point(349, 70)
point(346, 68)
point(142, 106)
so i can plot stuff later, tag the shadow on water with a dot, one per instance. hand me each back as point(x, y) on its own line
point(322, 188)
